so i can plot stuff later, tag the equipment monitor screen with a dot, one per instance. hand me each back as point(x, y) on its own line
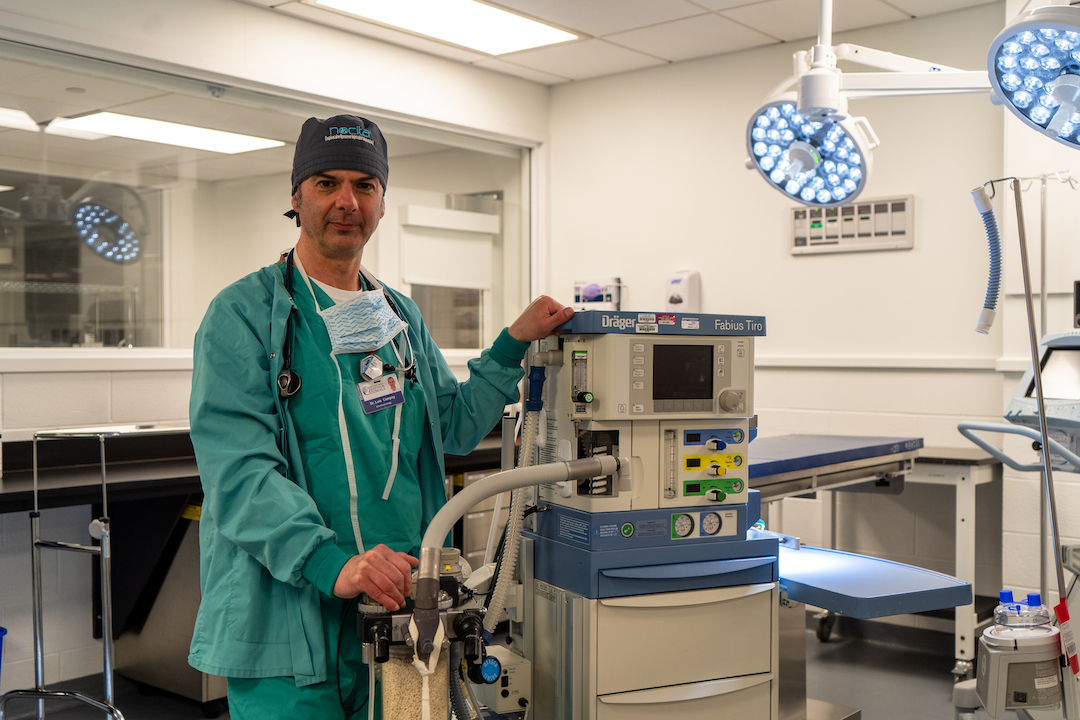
point(1060, 375)
point(682, 372)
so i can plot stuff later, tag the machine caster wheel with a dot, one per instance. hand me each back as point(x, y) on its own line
point(825, 627)
point(214, 708)
point(963, 670)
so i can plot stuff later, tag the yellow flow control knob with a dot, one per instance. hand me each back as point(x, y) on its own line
point(715, 470)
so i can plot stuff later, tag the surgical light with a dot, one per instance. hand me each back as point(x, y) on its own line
point(105, 232)
point(461, 22)
point(159, 131)
point(815, 162)
point(1034, 67)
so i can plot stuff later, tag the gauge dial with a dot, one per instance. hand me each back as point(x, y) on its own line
point(710, 523)
point(683, 525)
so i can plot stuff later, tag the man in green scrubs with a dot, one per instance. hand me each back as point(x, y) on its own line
point(317, 495)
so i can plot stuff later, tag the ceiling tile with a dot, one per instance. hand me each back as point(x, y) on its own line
point(584, 59)
point(521, 71)
point(798, 19)
point(922, 8)
point(602, 17)
point(725, 4)
point(695, 37)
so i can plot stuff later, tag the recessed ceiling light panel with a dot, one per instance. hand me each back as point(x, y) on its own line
point(1034, 66)
point(160, 131)
point(461, 22)
point(815, 163)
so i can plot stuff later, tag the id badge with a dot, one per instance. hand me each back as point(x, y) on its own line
point(383, 392)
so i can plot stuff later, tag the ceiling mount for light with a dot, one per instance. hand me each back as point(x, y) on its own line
point(823, 157)
point(1034, 67)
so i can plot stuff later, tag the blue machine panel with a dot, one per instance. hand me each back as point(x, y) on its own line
point(643, 571)
point(648, 528)
point(592, 322)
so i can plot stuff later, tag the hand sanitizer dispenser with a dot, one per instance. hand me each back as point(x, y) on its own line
point(684, 292)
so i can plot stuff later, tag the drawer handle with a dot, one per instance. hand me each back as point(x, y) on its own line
point(679, 571)
point(692, 691)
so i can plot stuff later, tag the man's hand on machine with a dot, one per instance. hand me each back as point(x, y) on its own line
point(380, 572)
point(540, 319)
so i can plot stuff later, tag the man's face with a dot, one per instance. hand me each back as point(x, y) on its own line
point(339, 210)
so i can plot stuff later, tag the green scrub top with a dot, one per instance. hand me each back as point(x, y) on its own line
point(396, 521)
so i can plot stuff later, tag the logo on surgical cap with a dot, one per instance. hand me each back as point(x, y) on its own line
point(349, 133)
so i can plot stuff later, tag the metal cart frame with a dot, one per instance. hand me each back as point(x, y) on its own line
point(99, 529)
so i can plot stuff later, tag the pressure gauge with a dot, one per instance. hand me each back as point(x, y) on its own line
point(710, 523)
point(683, 525)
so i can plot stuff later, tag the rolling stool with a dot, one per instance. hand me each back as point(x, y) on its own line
point(99, 530)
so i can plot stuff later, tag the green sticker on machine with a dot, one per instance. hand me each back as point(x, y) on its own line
point(627, 529)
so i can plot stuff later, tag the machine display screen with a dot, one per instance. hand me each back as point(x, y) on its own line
point(682, 372)
point(1060, 375)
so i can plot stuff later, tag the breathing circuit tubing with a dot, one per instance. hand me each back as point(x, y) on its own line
point(993, 286)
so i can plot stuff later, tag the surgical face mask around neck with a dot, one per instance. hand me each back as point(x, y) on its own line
point(361, 324)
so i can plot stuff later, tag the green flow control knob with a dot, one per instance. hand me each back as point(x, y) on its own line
point(584, 397)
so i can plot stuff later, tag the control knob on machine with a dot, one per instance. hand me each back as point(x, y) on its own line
point(583, 397)
point(731, 401)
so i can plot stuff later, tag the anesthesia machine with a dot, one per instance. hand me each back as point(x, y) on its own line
point(634, 583)
point(634, 477)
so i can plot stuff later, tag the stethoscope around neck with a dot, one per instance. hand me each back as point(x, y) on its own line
point(288, 380)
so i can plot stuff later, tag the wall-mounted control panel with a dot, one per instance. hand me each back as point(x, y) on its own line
point(886, 224)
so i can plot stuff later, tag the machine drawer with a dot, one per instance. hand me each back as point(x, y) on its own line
point(651, 641)
point(745, 698)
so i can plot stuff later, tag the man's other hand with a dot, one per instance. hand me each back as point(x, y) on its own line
point(380, 572)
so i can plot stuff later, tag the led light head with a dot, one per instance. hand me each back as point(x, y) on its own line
point(105, 232)
point(816, 163)
point(1034, 67)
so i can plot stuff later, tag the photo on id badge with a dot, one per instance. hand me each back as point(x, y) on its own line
point(381, 393)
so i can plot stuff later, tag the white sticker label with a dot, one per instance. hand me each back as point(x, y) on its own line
point(647, 328)
point(690, 324)
point(1046, 682)
point(646, 317)
point(1067, 639)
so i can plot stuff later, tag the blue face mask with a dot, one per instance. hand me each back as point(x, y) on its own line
point(362, 324)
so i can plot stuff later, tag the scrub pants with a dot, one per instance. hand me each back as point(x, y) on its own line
point(278, 697)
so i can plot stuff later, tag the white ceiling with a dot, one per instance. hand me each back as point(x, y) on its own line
point(620, 35)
